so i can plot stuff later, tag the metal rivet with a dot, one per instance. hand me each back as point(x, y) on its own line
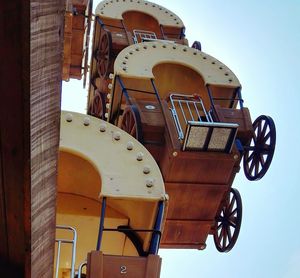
point(111, 76)
point(103, 127)
point(146, 169)
point(130, 146)
point(107, 105)
point(69, 117)
point(139, 156)
point(109, 86)
point(106, 115)
point(236, 157)
point(117, 136)
point(86, 121)
point(175, 154)
point(150, 182)
point(108, 96)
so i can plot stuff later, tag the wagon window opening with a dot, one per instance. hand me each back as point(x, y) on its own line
point(142, 26)
point(191, 109)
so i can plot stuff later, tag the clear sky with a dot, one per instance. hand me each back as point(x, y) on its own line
point(260, 42)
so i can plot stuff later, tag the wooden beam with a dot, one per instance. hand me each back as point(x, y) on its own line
point(14, 136)
point(31, 35)
point(47, 17)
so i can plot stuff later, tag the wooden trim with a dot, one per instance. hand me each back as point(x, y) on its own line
point(47, 25)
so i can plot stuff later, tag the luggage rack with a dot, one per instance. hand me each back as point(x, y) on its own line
point(142, 35)
point(196, 128)
point(147, 36)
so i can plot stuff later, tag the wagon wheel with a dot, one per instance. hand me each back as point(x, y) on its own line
point(259, 153)
point(197, 45)
point(103, 54)
point(228, 222)
point(131, 122)
point(98, 107)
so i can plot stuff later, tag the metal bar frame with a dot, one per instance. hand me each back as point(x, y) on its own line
point(156, 232)
point(73, 242)
point(156, 236)
point(101, 225)
point(83, 264)
point(181, 100)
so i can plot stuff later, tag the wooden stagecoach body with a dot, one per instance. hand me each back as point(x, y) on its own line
point(119, 24)
point(110, 202)
point(76, 38)
point(186, 112)
point(186, 108)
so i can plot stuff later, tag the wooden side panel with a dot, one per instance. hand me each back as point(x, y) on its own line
point(241, 117)
point(108, 266)
point(185, 234)
point(153, 266)
point(196, 167)
point(45, 78)
point(194, 201)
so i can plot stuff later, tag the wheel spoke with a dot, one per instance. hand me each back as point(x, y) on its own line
point(262, 160)
point(263, 133)
point(252, 166)
point(229, 234)
point(256, 167)
point(251, 156)
point(233, 212)
point(133, 130)
point(224, 237)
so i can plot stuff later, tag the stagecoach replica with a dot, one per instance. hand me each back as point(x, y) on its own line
point(119, 24)
point(111, 202)
point(78, 17)
point(186, 108)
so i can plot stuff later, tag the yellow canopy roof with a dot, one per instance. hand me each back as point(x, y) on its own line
point(137, 61)
point(120, 159)
point(116, 8)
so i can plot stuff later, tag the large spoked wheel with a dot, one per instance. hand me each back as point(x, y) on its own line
point(228, 222)
point(259, 153)
point(103, 54)
point(197, 45)
point(131, 122)
point(98, 106)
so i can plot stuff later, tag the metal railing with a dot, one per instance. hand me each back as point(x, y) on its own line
point(81, 266)
point(59, 242)
point(142, 35)
point(187, 108)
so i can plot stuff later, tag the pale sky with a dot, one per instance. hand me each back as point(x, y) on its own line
point(260, 42)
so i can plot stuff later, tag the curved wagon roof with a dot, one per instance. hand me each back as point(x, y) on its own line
point(116, 8)
point(121, 173)
point(138, 61)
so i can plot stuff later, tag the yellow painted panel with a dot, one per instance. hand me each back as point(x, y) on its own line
point(120, 172)
point(116, 8)
point(137, 61)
